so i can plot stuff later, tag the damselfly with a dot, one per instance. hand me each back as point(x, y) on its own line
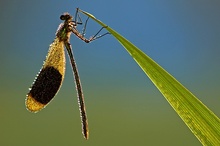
point(51, 75)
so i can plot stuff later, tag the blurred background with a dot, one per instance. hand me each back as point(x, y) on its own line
point(123, 106)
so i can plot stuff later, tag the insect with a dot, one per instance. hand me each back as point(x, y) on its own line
point(51, 75)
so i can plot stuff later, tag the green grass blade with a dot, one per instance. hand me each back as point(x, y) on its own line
point(203, 123)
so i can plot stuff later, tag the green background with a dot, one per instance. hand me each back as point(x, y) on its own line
point(123, 106)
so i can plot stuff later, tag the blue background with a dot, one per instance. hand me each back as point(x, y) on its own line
point(123, 106)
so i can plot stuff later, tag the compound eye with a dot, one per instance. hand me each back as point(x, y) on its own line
point(62, 17)
point(65, 16)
